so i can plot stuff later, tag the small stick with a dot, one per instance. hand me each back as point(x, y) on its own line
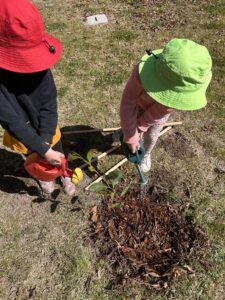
point(165, 130)
point(116, 166)
point(111, 129)
point(173, 123)
point(101, 156)
point(92, 130)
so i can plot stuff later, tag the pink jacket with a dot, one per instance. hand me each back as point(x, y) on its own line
point(138, 111)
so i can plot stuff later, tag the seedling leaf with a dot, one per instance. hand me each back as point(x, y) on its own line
point(98, 187)
point(73, 156)
point(114, 205)
point(112, 195)
point(91, 168)
point(125, 190)
point(114, 177)
point(90, 155)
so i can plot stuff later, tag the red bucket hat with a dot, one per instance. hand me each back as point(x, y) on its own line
point(24, 45)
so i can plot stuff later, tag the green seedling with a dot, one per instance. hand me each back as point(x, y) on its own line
point(109, 183)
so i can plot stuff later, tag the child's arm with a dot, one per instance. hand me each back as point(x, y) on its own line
point(155, 114)
point(132, 124)
point(129, 109)
point(48, 112)
point(13, 122)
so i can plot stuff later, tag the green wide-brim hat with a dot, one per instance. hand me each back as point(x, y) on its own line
point(178, 75)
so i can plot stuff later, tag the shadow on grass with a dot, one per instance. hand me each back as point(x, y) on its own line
point(54, 200)
point(11, 167)
point(83, 142)
point(13, 177)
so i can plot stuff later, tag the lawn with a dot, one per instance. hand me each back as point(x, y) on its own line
point(45, 253)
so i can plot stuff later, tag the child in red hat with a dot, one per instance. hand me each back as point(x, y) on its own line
point(28, 97)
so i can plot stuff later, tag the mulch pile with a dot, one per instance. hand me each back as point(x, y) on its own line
point(148, 241)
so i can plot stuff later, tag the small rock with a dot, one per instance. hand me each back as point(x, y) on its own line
point(97, 19)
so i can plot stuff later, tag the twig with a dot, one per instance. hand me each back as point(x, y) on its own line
point(110, 129)
point(173, 123)
point(91, 130)
point(116, 166)
point(100, 156)
point(165, 130)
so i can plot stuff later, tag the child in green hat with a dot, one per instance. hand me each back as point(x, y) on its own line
point(173, 78)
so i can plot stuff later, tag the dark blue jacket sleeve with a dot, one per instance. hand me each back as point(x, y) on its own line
point(48, 112)
point(12, 120)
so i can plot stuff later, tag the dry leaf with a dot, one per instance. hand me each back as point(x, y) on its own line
point(97, 227)
point(188, 268)
point(153, 274)
point(94, 214)
point(165, 250)
point(111, 227)
point(110, 231)
point(156, 286)
point(153, 237)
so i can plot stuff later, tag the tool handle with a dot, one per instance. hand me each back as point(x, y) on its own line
point(135, 157)
point(143, 179)
point(139, 155)
point(66, 172)
point(63, 164)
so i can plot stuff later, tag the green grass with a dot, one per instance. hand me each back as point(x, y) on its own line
point(43, 248)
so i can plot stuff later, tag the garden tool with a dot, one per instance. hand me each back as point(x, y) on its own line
point(40, 169)
point(135, 158)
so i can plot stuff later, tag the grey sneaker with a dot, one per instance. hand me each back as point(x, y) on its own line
point(47, 186)
point(146, 163)
point(68, 187)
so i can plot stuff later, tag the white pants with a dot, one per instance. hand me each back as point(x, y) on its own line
point(151, 136)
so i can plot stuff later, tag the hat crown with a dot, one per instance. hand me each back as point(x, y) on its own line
point(21, 24)
point(184, 63)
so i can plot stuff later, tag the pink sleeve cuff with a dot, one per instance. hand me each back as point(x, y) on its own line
point(131, 140)
point(143, 128)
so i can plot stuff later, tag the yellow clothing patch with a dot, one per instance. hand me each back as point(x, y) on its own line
point(17, 146)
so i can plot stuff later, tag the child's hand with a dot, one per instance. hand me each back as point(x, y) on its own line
point(54, 157)
point(133, 147)
point(141, 135)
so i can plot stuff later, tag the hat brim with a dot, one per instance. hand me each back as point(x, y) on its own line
point(30, 60)
point(163, 92)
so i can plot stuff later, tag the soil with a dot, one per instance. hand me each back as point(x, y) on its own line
point(178, 146)
point(148, 241)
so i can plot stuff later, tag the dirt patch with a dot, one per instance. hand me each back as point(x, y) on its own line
point(147, 241)
point(178, 146)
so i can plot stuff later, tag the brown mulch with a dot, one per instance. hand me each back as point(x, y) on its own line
point(148, 241)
